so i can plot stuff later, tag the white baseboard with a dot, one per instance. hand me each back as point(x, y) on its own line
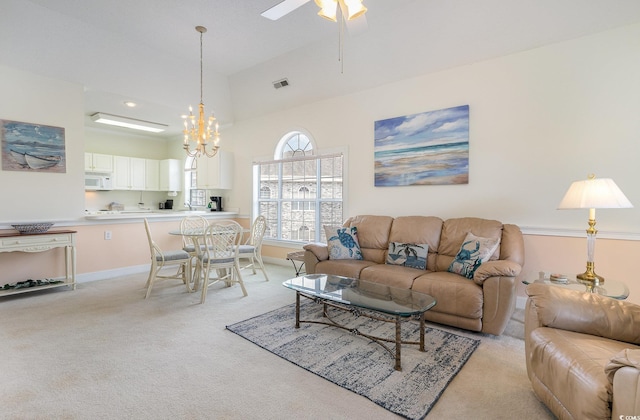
point(276, 261)
point(116, 272)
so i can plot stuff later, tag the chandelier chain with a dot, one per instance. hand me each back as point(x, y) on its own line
point(198, 130)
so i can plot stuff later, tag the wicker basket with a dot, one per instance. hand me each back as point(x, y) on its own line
point(31, 228)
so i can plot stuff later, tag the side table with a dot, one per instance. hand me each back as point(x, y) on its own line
point(39, 242)
point(296, 256)
point(610, 288)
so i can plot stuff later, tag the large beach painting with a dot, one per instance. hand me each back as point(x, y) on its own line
point(431, 148)
point(32, 147)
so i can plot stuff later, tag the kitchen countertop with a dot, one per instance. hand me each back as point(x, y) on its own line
point(126, 216)
point(154, 214)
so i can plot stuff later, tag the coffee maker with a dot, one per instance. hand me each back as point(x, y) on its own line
point(216, 203)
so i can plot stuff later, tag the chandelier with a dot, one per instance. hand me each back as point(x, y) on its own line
point(195, 130)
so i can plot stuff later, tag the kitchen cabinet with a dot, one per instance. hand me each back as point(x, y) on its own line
point(152, 175)
point(96, 162)
point(171, 171)
point(129, 173)
point(215, 172)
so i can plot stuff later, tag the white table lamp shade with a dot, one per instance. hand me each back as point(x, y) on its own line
point(595, 193)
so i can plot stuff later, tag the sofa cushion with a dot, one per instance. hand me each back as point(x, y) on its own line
point(571, 366)
point(455, 294)
point(343, 243)
point(392, 275)
point(408, 255)
point(454, 231)
point(346, 268)
point(373, 234)
point(474, 251)
point(418, 230)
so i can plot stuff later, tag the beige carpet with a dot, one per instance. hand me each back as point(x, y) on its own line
point(103, 352)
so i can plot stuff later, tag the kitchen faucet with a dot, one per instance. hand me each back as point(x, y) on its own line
point(188, 204)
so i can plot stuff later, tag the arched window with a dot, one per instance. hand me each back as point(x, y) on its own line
point(304, 189)
point(192, 194)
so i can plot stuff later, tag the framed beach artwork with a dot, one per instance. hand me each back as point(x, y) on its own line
point(431, 148)
point(32, 147)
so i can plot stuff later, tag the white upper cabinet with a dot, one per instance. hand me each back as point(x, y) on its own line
point(129, 173)
point(215, 172)
point(138, 174)
point(152, 175)
point(96, 162)
point(171, 175)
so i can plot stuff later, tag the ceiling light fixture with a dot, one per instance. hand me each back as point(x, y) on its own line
point(349, 9)
point(196, 131)
point(120, 121)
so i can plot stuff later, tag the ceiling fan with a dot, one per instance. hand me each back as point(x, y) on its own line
point(349, 12)
point(329, 9)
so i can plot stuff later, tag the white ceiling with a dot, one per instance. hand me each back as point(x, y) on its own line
point(148, 50)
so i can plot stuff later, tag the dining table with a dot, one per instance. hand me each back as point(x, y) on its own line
point(197, 238)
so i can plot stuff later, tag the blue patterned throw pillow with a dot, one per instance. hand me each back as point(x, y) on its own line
point(343, 243)
point(473, 252)
point(409, 255)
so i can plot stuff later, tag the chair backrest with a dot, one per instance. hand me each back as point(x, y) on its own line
point(221, 239)
point(154, 249)
point(258, 228)
point(192, 223)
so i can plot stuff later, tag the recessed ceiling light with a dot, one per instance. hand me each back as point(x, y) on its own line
point(130, 104)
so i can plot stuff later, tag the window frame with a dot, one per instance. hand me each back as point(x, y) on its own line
point(316, 201)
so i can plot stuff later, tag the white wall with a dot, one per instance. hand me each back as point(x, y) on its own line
point(43, 196)
point(539, 120)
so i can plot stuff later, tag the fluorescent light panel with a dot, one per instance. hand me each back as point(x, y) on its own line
point(283, 8)
point(120, 121)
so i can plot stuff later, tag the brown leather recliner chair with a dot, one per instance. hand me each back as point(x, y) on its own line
point(583, 353)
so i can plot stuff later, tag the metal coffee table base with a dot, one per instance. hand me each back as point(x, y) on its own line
point(397, 319)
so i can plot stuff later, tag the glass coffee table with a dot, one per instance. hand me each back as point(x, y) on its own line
point(362, 298)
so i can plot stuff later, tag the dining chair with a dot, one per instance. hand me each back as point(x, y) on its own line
point(219, 260)
point(161, 259)
point(252, 249)
point(192, 223)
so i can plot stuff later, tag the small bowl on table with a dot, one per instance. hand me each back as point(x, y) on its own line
point(32, 228)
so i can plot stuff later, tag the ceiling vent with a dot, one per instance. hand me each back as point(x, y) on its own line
point(281, 83)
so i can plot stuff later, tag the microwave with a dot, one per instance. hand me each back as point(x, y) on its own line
point(98, 182)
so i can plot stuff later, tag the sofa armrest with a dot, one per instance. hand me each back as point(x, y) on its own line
point(586, 313)
point(320, 250)
point(498, 303)
point(314, 253)
point(623, 372)
point(497, 268)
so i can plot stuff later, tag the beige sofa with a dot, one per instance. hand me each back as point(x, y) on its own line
point(582, 353)
point(484, 303)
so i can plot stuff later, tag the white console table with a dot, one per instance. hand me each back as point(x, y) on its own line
point(39, 242)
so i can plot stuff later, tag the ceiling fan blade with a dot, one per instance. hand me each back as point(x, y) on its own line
point(283, 8)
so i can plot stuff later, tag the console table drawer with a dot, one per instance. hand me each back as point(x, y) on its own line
point(26, 243)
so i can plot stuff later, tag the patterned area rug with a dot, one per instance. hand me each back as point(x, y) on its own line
point(357, 363)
